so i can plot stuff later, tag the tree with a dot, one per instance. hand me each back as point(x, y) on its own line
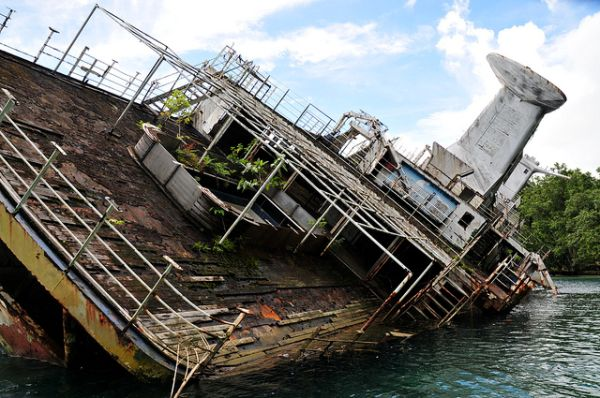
point(564, 216)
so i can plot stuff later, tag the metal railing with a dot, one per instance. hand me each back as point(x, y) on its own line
point(84, 67)
point(84, 253)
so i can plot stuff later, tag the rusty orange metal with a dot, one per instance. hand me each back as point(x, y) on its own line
point(31, 255)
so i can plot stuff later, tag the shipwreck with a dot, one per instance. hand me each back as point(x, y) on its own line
point(203, 220)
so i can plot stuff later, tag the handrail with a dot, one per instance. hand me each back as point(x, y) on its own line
point(92, 252)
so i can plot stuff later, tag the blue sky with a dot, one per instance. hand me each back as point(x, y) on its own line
point(418, 65)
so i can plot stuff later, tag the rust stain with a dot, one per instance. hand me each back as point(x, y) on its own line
point(268, 312)
point(30, 254)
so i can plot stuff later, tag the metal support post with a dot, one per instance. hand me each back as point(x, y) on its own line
point(78, 59)
point(6, 18)
point(108, 68)
point(317, 221)
point(385, 303)
point(57, 151)
point(150, 90)
point(217, 137)
point(290, 181)
point(302, 114)
point(281, 99)
point(130, 83)
point(111, 206)
point(10, 104)
point(171, 264)
point(39, 54)
point(139, 90)
point(410, 289)
point(169, 91)
point(89, 70)
point(280, 162)
point(384, 257)
point(340, 225)
point(357, 225)
point(76, 37)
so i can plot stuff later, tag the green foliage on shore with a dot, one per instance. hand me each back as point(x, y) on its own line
point(564, 216)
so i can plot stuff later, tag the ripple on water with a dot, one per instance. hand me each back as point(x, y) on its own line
point(547, 346)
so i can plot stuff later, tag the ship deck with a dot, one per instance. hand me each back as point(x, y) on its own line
point(292, 299)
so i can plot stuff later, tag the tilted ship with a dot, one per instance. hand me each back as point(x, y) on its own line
point(210, 222)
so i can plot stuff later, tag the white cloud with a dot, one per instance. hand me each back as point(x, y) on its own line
point(327, 44)
point(551, 4)
point(206, 26)
point(410, 3)
point(572, 133)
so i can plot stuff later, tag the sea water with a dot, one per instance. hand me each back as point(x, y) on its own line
point(547, 346)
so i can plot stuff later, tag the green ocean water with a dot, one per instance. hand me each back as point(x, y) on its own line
point(547, 346)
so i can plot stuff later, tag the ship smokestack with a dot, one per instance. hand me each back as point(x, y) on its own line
point(493, 144)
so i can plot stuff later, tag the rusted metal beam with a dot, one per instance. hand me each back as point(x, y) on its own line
point(410, 289)
point(393, 294)
point(82, 304)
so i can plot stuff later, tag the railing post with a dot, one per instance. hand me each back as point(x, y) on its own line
point(75, 38)
point(302, 114)
point(111, 206)
point(171, 264)
point(108, 68)
point(39, 54)
point(280, 162)
point(6, 18)
point(57, 151)
point(130, 83)
point(10, 104)
point(281, 99)
point(78, 59)
point(139, 90)
point(89, 70)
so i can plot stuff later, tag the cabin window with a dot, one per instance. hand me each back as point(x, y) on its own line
point(466, 194)
point(465, 220)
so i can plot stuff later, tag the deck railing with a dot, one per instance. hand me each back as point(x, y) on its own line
point(86, 252)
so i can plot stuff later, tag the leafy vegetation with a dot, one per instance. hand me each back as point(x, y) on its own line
point(250, 173)
point(227, 246)
point(564, 216)
point(177, 108)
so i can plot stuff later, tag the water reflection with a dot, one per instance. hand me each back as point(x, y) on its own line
point(548, 346)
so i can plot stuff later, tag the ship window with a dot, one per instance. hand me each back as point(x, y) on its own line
point(465, 220)
point(466, 194)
